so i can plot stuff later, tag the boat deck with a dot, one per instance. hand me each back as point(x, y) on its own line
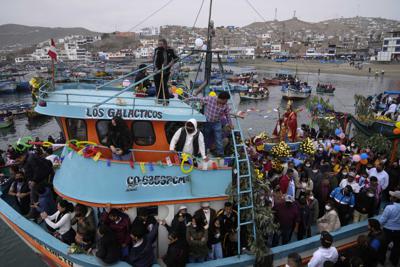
point(85, 101)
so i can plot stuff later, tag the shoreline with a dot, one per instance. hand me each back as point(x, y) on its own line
point(312, 66)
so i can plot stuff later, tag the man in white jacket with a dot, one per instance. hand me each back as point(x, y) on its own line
point(189, 139)
point(325, 253)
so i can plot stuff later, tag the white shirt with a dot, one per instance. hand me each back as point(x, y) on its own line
point(322, 255)
point(188, 147)
point(63, 225)
point(383, 177)
point(207, 213)
point(354, 185)
point(392, 109)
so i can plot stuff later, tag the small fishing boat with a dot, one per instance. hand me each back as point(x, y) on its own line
point(292, 92)
point(15, 109)
point(8, 86)
point(255, 92)
point(325, 89)
point(6, 120)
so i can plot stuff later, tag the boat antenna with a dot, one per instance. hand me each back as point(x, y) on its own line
point(210, 32)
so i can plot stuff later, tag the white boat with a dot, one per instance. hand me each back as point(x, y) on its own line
point(292, 93)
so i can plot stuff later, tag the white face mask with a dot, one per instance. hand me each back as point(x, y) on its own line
point(309, 165)
point(344, 173)
point(370, 195)
point(327, 207)
point(312, 197)
point(314, 171)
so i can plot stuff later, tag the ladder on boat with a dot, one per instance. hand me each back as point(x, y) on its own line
point(242, 170)
point(244, 188)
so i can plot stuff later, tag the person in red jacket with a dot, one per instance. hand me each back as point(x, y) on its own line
point(119, 223)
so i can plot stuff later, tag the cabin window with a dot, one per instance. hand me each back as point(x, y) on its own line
point(102, 131)
point(143, 133)
point(171, 127)
point(150, 210)
point(77, 129)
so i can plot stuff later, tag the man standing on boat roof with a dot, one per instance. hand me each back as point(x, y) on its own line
point(164, 58)
point(216, 110)
point(189, 139)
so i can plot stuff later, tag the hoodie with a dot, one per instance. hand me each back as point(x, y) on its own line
point(190, 137)
point(322, 255)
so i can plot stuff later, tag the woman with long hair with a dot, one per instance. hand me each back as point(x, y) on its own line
point(119, 139)
point(59, 223)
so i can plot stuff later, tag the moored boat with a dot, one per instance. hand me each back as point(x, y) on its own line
point(325, 89)
point(291, 92)
point(8, 86)
point(6, 120)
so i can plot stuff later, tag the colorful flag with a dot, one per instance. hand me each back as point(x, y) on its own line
point(52, 50)
point(143, 167)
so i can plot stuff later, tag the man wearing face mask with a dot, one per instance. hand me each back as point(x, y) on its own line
point(378, 172)
point(330, 220)
point(288, 217)
point(350, 180)
point(365, 202)
point(313, 205)
point(189, 139)
point(206, 213)
point(394, 176)
point(345, 202)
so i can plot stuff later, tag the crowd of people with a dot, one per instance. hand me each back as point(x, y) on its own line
point(386, 105)
point(332, 188)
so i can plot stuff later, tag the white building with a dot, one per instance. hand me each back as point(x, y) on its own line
point(149, 31)
point(390, 48)
point(276, 48)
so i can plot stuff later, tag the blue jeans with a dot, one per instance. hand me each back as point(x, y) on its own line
point(216, 252)
point(125, 157)
point(214, 129)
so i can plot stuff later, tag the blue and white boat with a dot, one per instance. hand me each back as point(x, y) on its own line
point(291, 92)
point(8, 86)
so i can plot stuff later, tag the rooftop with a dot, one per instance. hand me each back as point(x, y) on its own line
point(84, 101)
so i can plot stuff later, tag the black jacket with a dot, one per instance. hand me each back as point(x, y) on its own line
point(177, 254)
point(140, 76)
point(365, 204)
point(158, 58)
point(120, 140)
point(179, 227)
point(143, 255)
point(37, 169)
point(108, 249)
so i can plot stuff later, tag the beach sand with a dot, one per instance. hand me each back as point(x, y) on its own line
point(312, 66)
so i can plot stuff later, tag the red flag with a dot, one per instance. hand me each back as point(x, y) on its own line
point(52, 50)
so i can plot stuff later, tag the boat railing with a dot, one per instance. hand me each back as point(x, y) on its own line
point(227, 159)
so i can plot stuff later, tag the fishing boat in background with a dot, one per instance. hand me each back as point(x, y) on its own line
point(6, 120)
point(15, 109)
point(8, 86)
point(254, 92)
point(325, 89)
point(296, 92)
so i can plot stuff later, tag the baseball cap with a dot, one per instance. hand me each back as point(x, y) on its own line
point(182, 207)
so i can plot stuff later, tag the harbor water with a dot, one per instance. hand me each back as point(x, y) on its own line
point(260, 117)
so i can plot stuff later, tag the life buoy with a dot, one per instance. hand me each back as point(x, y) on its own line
point(189, 159)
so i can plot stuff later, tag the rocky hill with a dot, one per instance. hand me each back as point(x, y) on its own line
point(334, 27)
point(15, 35)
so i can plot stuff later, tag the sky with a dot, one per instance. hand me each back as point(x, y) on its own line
point(123, 15)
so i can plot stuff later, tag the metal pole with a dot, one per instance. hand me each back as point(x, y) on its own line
point(207, 74)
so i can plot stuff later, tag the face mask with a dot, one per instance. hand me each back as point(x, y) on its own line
point(194, 226)
point(314, 171)
point(311, 197)
point(384, 160)
point(308, 165)
point(190, 130)
point(344, 173)
point(327, 207)
point(370, 195)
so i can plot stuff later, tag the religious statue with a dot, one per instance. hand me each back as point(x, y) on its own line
point(286, 128)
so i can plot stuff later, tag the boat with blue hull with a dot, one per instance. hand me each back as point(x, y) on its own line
point(8, 86)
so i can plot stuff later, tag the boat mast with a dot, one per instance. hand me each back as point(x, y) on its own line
point(207, 69)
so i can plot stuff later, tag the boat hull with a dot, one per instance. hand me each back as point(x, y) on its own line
point(8, 87)
point(7, 122)
point(244, 96)
point(295, 95)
